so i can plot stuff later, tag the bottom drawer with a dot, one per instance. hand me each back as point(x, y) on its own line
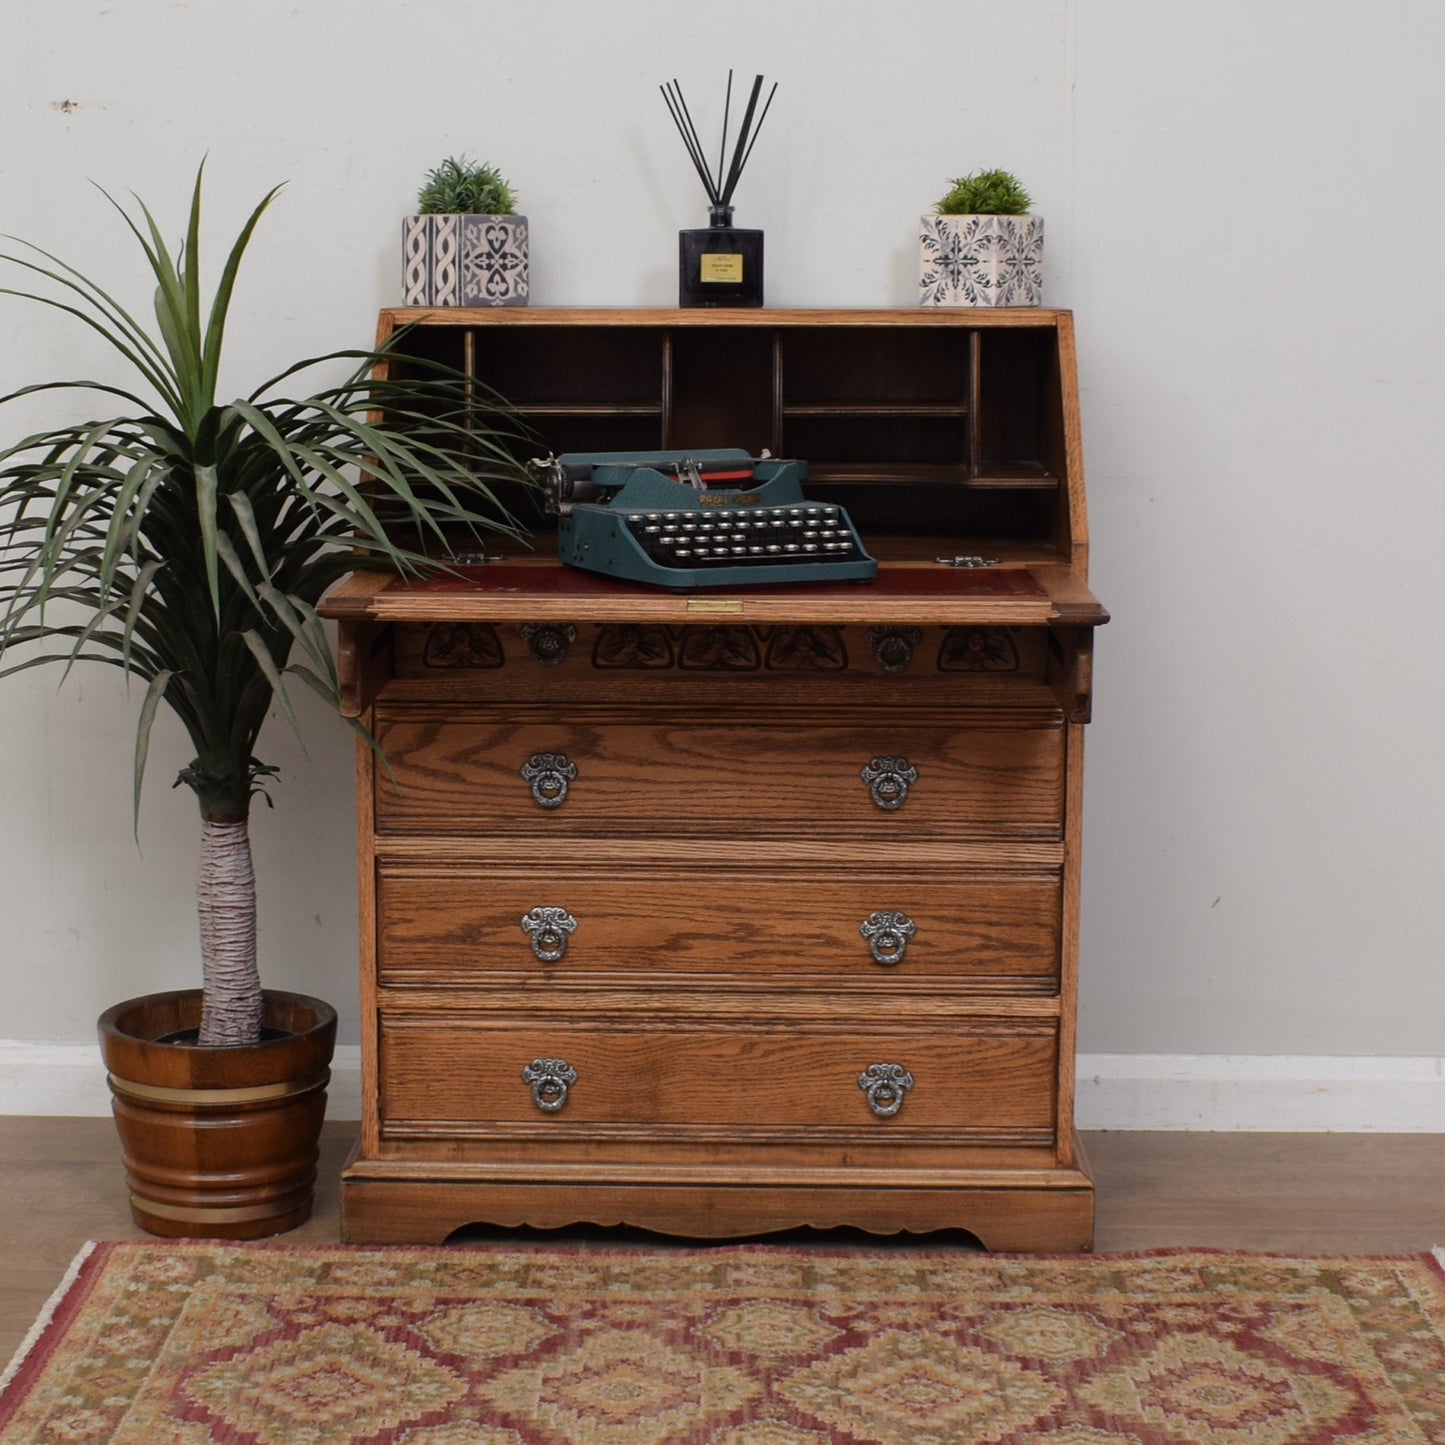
point(471, 1077)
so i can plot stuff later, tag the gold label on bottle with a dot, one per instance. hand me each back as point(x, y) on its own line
point(721, 266)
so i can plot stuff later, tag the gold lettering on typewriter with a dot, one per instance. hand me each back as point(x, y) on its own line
point(729, 499)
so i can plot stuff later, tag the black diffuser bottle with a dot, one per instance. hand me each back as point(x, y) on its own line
point(722, 265)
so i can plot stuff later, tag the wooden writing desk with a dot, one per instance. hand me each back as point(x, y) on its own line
point(728, 912)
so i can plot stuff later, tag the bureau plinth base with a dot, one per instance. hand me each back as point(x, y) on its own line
point(1031, 1211)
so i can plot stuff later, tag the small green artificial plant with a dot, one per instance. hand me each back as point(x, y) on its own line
point(462, 187)
point(187, 540)
point(984, 193)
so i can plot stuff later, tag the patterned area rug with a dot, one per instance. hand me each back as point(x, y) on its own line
point(198, 1344)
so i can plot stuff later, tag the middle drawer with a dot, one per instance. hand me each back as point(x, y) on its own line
point(460, 925)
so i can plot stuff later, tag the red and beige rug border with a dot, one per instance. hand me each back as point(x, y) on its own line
point(85, 1270)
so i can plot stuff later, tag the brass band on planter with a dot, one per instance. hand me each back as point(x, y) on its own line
point(255, 1094)
point(241, 1214)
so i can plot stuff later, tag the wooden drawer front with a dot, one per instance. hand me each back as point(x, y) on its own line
point(977, 1077)
point(462, 924)
point(460, 775)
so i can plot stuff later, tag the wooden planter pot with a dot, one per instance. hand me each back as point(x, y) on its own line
point(218, 1142)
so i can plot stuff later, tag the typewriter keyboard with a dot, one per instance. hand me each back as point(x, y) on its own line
point(751, 535)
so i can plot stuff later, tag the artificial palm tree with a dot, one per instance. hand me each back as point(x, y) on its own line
point(188, 540)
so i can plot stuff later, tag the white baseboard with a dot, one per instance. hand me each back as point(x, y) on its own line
point(1309, 1094)
point(1261, 1092)
point(69, 1079)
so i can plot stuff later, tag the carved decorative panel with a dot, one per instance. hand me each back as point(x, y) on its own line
point(463, 645)
point(978, 649)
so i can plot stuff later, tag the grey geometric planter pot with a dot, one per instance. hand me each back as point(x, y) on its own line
point(980, 260)
point(459, 260)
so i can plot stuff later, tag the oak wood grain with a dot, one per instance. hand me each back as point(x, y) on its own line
point(654, 1075)
point(1057, 1220)
point(729, 317)
point(461, 771)
point(453, 925)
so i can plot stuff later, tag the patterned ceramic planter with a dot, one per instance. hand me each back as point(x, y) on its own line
point(980, 260)
point(464, 260)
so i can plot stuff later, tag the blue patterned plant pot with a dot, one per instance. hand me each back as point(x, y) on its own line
point(980, 260)
point(464, 260)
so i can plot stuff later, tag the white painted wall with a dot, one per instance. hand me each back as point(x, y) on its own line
point(1243, 210)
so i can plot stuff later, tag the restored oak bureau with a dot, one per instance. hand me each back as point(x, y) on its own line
point(737, 910)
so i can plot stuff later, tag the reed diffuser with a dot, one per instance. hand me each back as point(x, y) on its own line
point(723, 264)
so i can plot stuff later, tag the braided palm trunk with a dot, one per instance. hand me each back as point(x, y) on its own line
point(226, 900)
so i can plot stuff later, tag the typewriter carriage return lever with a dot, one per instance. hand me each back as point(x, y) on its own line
point(700, 518)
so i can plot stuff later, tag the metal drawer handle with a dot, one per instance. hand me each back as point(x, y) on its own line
point(885, 1085)
point(887, 933)
point(888, 781)
point(549, 774)
point(549, 928)
point(550, 1080)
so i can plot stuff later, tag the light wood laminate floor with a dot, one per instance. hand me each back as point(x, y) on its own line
point(61, 1184)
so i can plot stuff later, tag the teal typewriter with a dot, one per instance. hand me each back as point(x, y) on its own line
point(717, 518)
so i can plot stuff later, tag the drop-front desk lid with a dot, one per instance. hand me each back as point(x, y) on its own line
point(537, 588)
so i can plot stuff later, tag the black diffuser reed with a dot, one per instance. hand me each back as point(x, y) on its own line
point(722, 265)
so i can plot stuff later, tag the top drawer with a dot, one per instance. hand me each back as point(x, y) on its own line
point(484, 770)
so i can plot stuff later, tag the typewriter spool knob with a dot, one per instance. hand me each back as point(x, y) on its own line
point(564, 483)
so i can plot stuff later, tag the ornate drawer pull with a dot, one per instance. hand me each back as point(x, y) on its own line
point(549, 774)
point(549, 928)
point(885, 1086)
point(549, 641)
point(887, 933)
point(888, 780)
point(550, 1080)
